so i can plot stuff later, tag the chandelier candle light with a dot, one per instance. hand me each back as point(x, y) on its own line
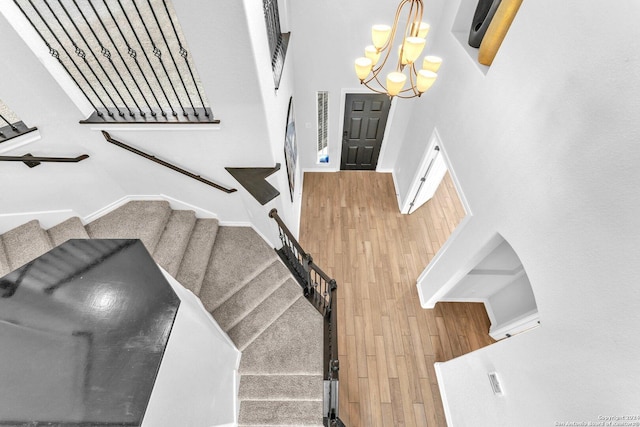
point(412, 44)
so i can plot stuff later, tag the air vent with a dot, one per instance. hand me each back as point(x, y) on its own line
point(323, 126)
point(495, 384)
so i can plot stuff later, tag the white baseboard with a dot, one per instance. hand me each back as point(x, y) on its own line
point(397, 190)
point(174, 203)
point(519, 324)
point(20, 141)
point(47, 219)
point(327, 169)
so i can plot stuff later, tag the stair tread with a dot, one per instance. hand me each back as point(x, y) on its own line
point(25, 243)
point(280, 413)
point(5, 268)
point(174, 240)
point(281, 387)
point(72, 228)
point(137, 219)
point(234, 309)
point(301, 353)
point(265, 314)
point(197, 255)
point(239, 254)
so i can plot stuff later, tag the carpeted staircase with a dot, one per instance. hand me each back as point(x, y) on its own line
point(241, 282)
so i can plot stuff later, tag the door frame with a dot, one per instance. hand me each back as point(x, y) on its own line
point(433, 140)
point(338, 145)
point(424, 168)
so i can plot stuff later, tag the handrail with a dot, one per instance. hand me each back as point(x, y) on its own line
point(320, 290)
point(166, 164)
point(30, 158)
point(274, 214)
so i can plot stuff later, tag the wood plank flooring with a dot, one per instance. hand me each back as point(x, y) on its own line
point(388, 344)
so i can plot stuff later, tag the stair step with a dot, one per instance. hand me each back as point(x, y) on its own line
point(69, 229)
point(5, 268)
point(138, 219)
point(280, 413)
point(265, 314)
point(25, 243)
point(198, 253)
point(174, 240)
point(239, 254)
point(281, 387)
point(250, 295)
point(300, 354)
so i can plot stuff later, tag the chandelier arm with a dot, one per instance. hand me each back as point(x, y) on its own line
point(374, 89)
point(412, 73)
point(407, 97)
point(412, 29)
point(407, 31)
point(379, 82)
point(415, 28)
point(394, 30)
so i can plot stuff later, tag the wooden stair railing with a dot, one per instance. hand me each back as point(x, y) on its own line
point(321, 291)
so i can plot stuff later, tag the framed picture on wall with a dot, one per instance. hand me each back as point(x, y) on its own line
point(290, 149)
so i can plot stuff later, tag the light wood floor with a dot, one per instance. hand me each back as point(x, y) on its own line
point(388, 344)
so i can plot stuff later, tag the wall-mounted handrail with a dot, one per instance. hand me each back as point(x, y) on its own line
point(320, 290)
point(166, 164)
point(30, 158)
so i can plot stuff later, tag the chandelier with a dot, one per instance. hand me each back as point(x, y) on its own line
point(413, 40)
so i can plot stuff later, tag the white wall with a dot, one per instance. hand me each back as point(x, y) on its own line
point(252, 127)
point(545, 147)
point(197, 380)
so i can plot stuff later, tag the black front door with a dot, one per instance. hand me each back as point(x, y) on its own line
point(365, 118)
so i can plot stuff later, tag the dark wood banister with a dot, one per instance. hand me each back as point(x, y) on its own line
point(330, 314)
point(273, 213)
point(166, 164)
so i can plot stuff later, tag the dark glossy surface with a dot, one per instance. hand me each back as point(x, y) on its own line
point(82, 332)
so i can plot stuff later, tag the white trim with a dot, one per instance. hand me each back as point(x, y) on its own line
point(153, 126)
point(47, 219)
point(327, 169)
point(442, 291)
point(236, 401)
point(452, 173)
point(520, 324)
point(115, 205)
point(187, 293)
point(456, 233)
point(235, 223)
point(385, 136)
point(397, 189)
point(299, 213)
point(179, 204)
point(434, 141)
point(174, 203)
point(20, 141)
point(443, 394)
